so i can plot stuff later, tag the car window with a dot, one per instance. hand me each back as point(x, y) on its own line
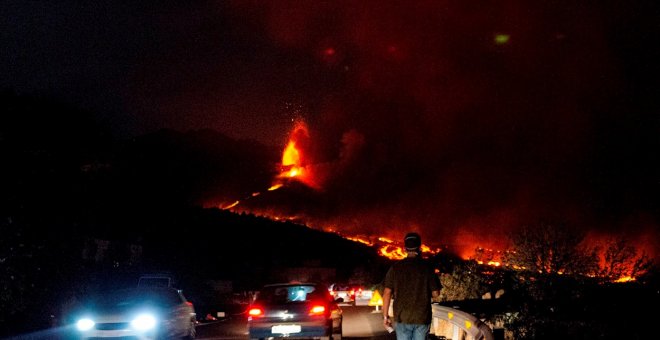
point(181, 298)
point(340, 288)
point(169, 298)
point(289, 294)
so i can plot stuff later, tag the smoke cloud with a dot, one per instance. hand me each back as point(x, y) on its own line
point(467, 121)
point(461, 120)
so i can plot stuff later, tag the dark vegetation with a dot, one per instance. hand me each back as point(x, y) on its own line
point(551, 306)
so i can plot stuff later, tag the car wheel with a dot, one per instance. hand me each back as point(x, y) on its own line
point(192, 331)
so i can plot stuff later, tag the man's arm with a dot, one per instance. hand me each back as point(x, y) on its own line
point(435, 285)
point(387, 299)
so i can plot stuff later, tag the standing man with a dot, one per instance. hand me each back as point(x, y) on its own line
point(412, 284)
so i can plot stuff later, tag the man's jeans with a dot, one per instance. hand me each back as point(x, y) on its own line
point(408, 331)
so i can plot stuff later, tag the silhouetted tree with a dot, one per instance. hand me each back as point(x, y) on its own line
point(463, 282)
point(560, 287)
point(623, 261)
point(551, 248)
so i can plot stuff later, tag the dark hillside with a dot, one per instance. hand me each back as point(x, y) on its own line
point(217, 244)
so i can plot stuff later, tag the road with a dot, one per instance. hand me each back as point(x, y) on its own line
point(360, 322)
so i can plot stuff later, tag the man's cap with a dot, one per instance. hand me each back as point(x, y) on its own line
point(412, 241)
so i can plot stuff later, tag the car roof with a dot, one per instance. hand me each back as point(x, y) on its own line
point(317, 285)
point(138, 290)
point(293, 284)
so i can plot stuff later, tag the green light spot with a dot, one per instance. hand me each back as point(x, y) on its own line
point(501, 39)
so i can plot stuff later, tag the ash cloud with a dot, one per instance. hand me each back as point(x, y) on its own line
point(433, 124)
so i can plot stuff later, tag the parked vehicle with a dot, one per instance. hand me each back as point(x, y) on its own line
point(362, 295)
point(350, 293)
point(294, 310)
point(342, 293)
point(137, 313)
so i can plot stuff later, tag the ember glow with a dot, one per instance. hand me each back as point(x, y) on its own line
point(230, 205)
point(397, 252)
point(392, 252)
point(291, 161)
point(275, 187)
point(625, 279)
point(388, 248)
point(360, 240)
point(294, 164)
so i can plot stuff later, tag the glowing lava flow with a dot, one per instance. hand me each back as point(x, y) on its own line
point(292, 167)
point(291, 161)
point(297, 165)
point(388, 248)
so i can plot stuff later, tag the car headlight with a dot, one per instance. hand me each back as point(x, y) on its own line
point(85, 324)
point(144, 322)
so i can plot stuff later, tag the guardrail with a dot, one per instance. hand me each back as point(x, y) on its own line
point(450, 323)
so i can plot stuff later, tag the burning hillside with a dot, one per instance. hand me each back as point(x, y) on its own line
point(308, 191)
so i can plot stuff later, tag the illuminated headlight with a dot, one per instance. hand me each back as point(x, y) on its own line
point(85, 324)
point(144, 322)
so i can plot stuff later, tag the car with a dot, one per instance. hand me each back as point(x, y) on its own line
point(155, 281)
point(362, 295)
point(294, 310)
point(342, 293)
point(350, 293)
point(136, 313)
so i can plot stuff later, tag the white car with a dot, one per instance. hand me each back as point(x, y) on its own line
point(137, 313)
point(351, 293)
point(363, 296)
point(342, 293)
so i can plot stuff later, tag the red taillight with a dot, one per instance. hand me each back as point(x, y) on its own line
point(317, 310)
point(255, 311)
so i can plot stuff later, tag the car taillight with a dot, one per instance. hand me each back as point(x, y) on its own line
point(317, 310)
point(255, 311)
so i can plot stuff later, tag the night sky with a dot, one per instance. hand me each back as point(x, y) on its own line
point(463, 120)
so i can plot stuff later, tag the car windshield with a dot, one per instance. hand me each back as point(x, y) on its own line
point(339, 287)
point(127, 297)
point(288, 294)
